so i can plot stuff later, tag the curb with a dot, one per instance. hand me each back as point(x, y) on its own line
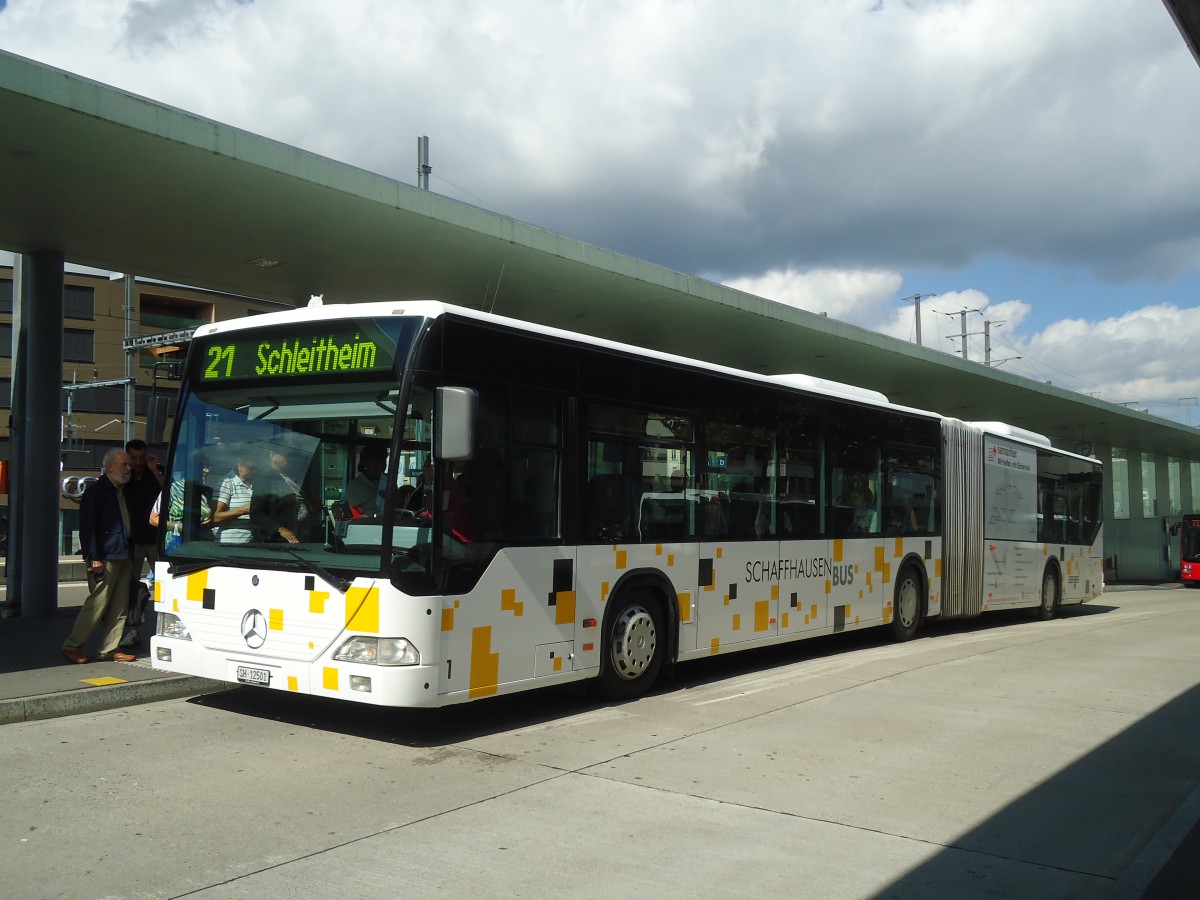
point(94, 699)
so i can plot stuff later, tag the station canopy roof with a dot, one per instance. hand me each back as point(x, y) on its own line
point(123, 183)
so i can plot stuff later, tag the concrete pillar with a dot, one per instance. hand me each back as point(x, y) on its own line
point(42, 319)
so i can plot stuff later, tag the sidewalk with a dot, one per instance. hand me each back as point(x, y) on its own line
point(36, 682)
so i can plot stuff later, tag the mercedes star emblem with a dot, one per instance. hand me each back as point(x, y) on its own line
point(254, 629)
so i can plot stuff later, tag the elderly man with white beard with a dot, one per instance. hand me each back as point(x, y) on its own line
point(106, 535)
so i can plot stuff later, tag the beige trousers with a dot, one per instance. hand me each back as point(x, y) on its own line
point(105, 607)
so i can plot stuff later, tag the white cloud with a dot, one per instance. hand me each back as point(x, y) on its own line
point(857, 297)
point(834, 146)
point(1143, 356)
point(812, 133)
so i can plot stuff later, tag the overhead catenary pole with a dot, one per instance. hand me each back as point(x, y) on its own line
point(987, 345)
point(70, 389)
point(423, 166)
point(963, 322)
point(130, 330)
point(916, 298)
point(1187, 409)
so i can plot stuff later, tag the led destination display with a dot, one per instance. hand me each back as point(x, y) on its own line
point(356, 348)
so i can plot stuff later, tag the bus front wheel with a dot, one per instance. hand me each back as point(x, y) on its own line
point(1048, 608)
point(906, 606)
point(634, 647)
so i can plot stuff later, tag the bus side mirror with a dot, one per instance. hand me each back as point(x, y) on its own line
point(454, 418)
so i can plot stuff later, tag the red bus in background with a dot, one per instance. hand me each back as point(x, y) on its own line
point(1188, 530)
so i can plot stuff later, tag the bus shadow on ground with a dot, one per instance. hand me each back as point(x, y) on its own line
point(425, 728)
point(1120, 823)
point(495, 715)
point(420, 728)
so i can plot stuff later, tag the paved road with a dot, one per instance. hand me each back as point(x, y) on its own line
point(997, 758)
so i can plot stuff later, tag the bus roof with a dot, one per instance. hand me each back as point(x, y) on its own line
point(1012, 432)
point(316, 310)
point(1024, 436)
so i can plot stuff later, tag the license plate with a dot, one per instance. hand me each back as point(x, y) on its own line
point(248, 675)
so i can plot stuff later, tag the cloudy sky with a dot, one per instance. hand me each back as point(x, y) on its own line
point(1031, 161)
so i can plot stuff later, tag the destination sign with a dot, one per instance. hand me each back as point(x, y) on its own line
point(319, 350)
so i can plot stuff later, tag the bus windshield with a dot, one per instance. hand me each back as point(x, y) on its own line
point(276, 463)
point(1190, 543)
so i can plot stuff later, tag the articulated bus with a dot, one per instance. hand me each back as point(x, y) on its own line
point(413, 504)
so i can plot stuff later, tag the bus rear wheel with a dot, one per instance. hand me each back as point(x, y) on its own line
point(634, 647)
point(1048, 608)
point(907, 604)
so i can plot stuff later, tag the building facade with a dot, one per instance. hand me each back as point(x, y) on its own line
point(1145, 494)
point(98, 316)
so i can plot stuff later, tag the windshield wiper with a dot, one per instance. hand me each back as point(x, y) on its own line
point(187, 568)
point(316, 568)
point(380, 402)
point(274, 406)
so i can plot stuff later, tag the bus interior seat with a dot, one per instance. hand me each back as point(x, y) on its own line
point(663, 517)
point(744, 512)
point(902, 519)
point(841, 519)
point(610, 500)
point(799, 519)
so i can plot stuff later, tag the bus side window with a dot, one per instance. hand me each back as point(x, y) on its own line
point(539, 492)
point(909, 502)
point(535, 467)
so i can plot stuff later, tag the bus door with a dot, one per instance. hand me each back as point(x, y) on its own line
point(512, 615)
point(737, 513)
point(637, 524)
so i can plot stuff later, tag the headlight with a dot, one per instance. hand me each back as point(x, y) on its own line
point(170, 625)
point(379, 652)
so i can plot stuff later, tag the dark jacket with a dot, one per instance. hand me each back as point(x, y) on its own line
point(102, 534)
point(140, 497)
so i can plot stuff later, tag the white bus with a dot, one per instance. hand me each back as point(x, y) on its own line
point(413, 504)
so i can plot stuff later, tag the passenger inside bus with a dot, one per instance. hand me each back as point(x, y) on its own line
point(232, 512)
point(277, 507)
point(363, 493)
point(176, 526)
point(455, 503)
point(902, 519)
point(864, 518)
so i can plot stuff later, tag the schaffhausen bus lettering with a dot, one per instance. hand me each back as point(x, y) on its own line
point(785, 569)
